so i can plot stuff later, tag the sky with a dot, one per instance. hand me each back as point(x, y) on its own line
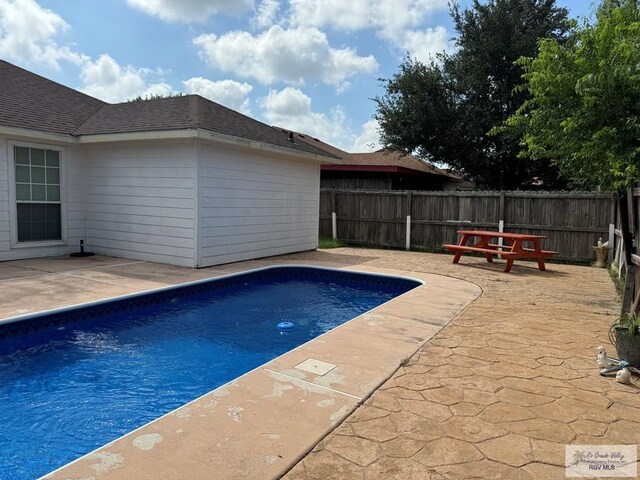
point(312, 66)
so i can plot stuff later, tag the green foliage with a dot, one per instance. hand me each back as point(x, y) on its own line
point(442, 111)
point(618, 281)
point(628, 324)
point(329, 243)
point(585, 100)
point(157, 96)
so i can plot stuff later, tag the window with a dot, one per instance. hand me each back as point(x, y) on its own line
point(38, 204)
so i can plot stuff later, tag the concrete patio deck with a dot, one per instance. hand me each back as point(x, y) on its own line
point(497, 393)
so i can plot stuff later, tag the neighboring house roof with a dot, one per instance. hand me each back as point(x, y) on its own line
point(33, 102)
point(385, 157)
point(382, 160)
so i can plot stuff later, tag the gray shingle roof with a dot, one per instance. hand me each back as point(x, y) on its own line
point(186, 112)
point(30, 101)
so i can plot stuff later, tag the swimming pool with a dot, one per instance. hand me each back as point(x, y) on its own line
point(73, 380)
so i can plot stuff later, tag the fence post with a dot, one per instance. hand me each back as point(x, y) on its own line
point(409, 203)
point(334, 225)
point(631, 208)
point(612, 240)
point(334, 219)
point(626, 212)
point(407, 244)
point(501, 218)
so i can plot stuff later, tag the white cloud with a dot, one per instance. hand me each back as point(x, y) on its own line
point(266, 14)
point(291, 55)
point(390, 17)
point(424, 44)
point(190, 10)
point(396, 21)
point(290, 108)
point(369, 138)
point(107, 80)
point(28, 34)
point(231, 94)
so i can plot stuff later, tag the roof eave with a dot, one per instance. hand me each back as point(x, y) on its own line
point(380, 169)
point(91, 139)
point(207, 135)
point(37, 135)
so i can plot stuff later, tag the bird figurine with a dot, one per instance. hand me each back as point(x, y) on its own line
point(602, 359)
point(624, 376)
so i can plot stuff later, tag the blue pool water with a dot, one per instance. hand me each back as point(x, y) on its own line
point(75, 380)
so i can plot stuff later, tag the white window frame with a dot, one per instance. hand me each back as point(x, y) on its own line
point(13, 210)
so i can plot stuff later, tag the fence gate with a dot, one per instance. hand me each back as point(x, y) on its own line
point(628, 250)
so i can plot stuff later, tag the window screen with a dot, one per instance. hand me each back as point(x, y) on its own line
point(38, 194)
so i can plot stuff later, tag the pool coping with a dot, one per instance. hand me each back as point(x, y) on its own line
point(394, 324)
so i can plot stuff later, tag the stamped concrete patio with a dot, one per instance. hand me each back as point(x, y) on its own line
point(497, 393)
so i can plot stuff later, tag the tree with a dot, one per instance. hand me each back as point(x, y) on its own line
point(442, 111)
point(156, 96)
point(584, 109)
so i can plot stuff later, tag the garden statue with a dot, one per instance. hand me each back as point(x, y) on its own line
point(602, 359)
point(602, 252)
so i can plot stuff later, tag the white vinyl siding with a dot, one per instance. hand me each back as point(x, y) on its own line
point(5, 223)
point(253, 206)
point(182, 202)
point(140, 201)
point(75, 197)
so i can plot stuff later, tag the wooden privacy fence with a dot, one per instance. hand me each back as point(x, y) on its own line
point(573, 222)
point(627, 250)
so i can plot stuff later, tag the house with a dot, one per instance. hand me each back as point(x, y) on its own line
point(382, 170)
point(178, 180)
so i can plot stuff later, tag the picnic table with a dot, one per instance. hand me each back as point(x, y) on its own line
point(512, 248)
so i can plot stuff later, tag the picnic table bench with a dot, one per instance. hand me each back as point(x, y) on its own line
point(512, 248)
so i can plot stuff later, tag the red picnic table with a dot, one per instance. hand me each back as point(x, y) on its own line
point(511, 250)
